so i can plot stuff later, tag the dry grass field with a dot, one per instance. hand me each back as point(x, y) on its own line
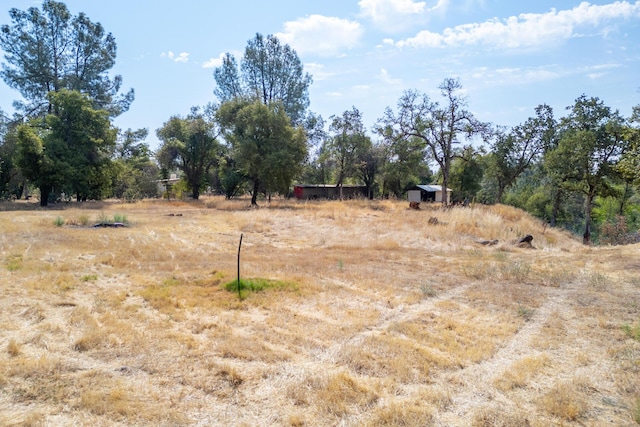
point(369, 315)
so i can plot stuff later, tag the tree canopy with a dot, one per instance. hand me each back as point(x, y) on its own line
point(269, 72)
point(189, 144)
point(70, 151)
point(50, 50)
point(441, 129)
point(268, 149)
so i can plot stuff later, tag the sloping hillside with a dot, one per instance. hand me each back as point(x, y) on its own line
point(373, 314)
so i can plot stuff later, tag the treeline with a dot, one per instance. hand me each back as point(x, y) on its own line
point(580, 171)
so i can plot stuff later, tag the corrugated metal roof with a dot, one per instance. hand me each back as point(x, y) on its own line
point(429, 187)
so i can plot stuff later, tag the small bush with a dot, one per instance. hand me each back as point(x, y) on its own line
point(89, 278)
point(120, 218)
point(525, 313)
point(428, 291)
point(617, 232)
point(58, 222)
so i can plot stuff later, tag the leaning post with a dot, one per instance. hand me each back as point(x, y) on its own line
point(239, 246)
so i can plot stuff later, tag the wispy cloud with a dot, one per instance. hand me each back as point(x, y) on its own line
point(181, 57)
point(395, 15)
point(318, 71)
point(386, 78)
point(321, 35)
point(527, 30)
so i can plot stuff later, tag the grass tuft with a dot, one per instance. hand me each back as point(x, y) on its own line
point(13, 348)
point(632, 331)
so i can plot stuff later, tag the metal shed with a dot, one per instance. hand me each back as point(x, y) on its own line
point(427, 193)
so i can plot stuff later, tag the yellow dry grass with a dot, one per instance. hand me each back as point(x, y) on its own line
point(387, 317)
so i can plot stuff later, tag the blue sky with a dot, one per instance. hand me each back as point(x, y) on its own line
point(509, 55)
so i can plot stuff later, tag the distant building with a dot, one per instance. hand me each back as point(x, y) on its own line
point(164, 185)
point(328, 191)
point(427, 193)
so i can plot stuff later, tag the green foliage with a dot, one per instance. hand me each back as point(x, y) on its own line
point(89, 278)
point(267, 149)
point(593, 138)
point(516, 151)
point(348, 144)
point(70, 151)
point(58, 222)
point(269, 72)
point(439, 128)
point(50, 50)
point(466, 174)
point(190, 145)
point(134, 173)
point(120, 218)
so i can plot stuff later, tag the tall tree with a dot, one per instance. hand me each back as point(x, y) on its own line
point(189, 144)
point(347, 143)
point(269, 72)
point(592, 141)
point(441, 128)
point(135, 174)
point(515, 151)
point(629, 165)
point(368, 165)
point(70, 151)
point(466, 174)
point(266, 147)
point(50, 50)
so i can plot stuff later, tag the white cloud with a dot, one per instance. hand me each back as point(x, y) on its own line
point(181, 57)
point(321, 35)
point(527, 30)
point(214, 62)
point(395, 15)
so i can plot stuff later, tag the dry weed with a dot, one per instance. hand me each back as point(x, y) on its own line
point(133, 326)
point(566, 400)
point(521, 372)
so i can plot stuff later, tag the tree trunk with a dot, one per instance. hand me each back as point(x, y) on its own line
point(445, 183)
point(254, 194)
point(196, 192)
point(44, 195)
point(501, 189)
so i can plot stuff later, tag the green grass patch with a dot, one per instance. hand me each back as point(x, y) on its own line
point(14, 262)
point(259, 285)
point(58, 222)
point(89, 278)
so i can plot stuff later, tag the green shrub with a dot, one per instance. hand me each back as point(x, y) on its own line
point(58, 222)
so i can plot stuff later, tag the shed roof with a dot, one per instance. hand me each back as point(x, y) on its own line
point(430, 187)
